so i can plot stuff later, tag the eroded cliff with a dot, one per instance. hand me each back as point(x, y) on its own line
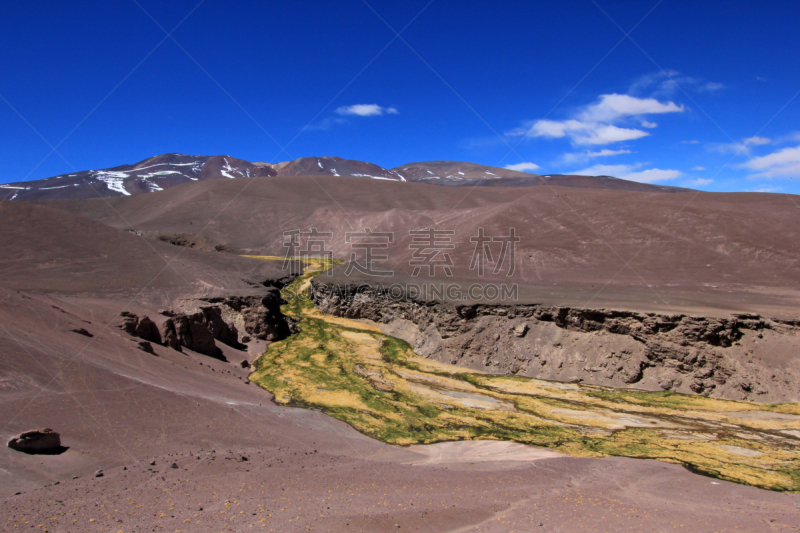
point(739, 357)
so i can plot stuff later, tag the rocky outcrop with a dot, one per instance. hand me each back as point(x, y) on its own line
point(199, 331)
point(197, 323)
point(37, 441)
point(143, 327)
point(261, 316)
point(254, 316)
point(738, 357)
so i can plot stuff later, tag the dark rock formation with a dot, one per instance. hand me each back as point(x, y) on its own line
point(147, 330)
point(191, 332)
point(82, 331)
point(36, 441)
point(261, 315)
point(729, 357)
point(143, 328)
point(145, 346)
point(198, 331)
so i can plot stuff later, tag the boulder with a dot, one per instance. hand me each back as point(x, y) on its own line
point(191, 332)
point(145, 346)
point(36, 441)
point(129, 321)
point(82, 331)
point(261, 315)
point(143, 327)
point(146, 329)
point(170, 335)
point(220, 330)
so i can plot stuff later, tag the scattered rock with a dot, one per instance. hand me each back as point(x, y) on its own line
point(245, 363)
point(174, 465)
point(521, 330)
point(81, 331)
point(99, 473)
point(146, 347)
point(36, 441)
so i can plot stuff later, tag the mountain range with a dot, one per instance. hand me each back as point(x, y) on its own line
point(167, 170)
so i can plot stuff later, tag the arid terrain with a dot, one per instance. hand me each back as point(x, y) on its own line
point(658, 295)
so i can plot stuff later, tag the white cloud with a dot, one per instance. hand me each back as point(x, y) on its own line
point(652, 175)
point(614, 106)
point(606, 152)
point(325, 124)
point(693, 141)
point(783, 163)
point(580, 132)
point(604, 170)
point(741, 147)
point(698, 168)
point(571, 158)
point(757, 141)
point(629, 172)
point(646, 124)
point(792, 137)
point(595, 124)
point(522, 167)
point(667, 83)
point(730, 148)
point(699, 182)
point(711, 87)
point(366, 110)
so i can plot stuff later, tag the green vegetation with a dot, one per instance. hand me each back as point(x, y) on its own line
point(378, 385)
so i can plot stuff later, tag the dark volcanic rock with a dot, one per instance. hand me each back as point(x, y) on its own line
point(147, 330)
point(261, 315)
point(82, 331)
point(218, 328)
point(145, 346)
point(129, 322)
point(198, 331)
point(170, 335)
point(182, 330)
point(36, 441)
point(143, 328)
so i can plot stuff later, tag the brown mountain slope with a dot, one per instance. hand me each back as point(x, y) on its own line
point(461, 174)
point(49, 250)
point(723, 252)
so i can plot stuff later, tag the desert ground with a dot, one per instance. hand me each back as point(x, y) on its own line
point(188, 441)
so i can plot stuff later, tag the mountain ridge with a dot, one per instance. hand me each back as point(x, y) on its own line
point(167, 170)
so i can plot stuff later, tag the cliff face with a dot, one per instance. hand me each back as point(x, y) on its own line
point(740, 357)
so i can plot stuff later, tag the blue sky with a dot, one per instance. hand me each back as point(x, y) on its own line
point(699, 94)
